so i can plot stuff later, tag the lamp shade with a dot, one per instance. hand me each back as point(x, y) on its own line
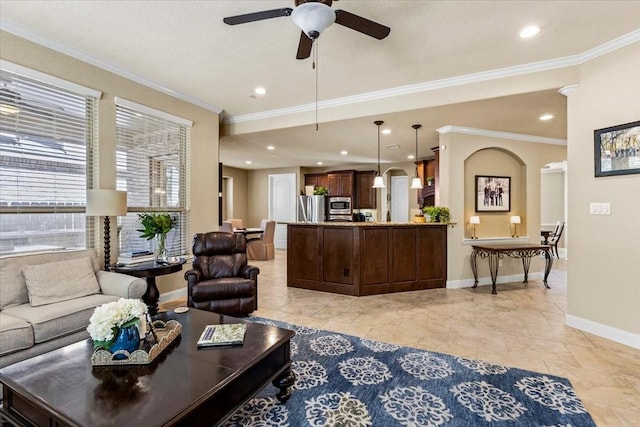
point(313, 18)
point(515, 219)
point(474, 220)
point(106, 203)
point(416, 184)
point(378, 182)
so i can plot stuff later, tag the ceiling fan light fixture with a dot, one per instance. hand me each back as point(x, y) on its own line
point(313, 18)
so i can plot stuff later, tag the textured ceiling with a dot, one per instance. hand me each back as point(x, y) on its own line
point(185, 47)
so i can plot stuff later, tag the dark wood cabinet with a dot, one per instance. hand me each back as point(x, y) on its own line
point(316, 179)
point(427, 168)
point(366, 259)
point(365, 197)
point(341, 183)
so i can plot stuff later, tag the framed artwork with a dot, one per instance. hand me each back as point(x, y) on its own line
point(617, 149)
point(493, 193)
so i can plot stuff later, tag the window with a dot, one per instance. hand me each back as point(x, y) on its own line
point(151, 159)
point(47, 137)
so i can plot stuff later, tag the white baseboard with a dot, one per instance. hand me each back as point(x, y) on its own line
point(604, 331)
point(178, 293)
point(468, 283)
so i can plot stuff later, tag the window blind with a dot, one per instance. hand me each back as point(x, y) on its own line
point(151, 160)
point(47, 147)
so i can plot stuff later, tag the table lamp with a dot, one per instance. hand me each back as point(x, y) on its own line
point(106, 203)
point(474, 220)
point(515, 220)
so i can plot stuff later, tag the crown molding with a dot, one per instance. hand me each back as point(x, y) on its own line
point(502, 135)
point(20, 31)
point(534, 67)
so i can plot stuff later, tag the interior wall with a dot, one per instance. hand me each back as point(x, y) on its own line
point(495, 162)
point(204, 133)
point(258, 189)
point(238, 205)
point(603, 289)
point(455, 149)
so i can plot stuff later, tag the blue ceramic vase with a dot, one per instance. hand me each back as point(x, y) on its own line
point(128, 338)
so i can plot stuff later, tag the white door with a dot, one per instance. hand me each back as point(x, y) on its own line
point(399, 198)
point(282, 205)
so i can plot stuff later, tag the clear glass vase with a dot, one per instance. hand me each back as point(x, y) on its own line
point(161, 247)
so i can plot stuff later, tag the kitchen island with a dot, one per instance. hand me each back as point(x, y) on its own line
point(366, 258)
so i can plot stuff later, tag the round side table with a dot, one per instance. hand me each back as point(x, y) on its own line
point(149, 271)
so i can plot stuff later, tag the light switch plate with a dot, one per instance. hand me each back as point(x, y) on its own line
point(600, 208)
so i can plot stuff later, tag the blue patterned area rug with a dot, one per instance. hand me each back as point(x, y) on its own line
point(344, 380)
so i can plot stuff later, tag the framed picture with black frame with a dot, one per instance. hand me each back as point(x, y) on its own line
point(617, 150)
point(493, 193)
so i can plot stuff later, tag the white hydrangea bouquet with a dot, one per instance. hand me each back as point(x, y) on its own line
point(108, 318)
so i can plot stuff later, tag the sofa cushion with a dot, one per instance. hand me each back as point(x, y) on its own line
point(15, 334)
point(13, 290)
point(60, 281)
point(61, 318)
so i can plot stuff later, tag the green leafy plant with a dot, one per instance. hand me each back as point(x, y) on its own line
point(156, 223)
point(437, 213)
point(320, 190)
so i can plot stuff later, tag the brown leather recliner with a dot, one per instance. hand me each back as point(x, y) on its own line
point(220, 280)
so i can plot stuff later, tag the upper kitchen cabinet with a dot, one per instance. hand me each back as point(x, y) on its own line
point(427, 171)
point(316, 179)
point(365, 197)
point(341, 183)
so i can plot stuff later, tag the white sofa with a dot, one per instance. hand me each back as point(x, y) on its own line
point(36, 317)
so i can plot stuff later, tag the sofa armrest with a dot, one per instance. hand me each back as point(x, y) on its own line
point(193, 276)
point(121, 285)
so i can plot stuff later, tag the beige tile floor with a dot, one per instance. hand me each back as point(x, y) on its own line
point(522, 326)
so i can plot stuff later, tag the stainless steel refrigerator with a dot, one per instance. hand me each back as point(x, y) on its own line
point(311, 208)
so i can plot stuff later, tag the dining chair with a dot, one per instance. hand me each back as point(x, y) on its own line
point(236, 222)
point(226, 226)
point(263, 247)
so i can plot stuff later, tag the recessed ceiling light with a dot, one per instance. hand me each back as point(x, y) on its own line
point(318, 163)
point(411, 156)
point(529, 31)
point(248, 162)
point(392, 146)
point(344, 152)
point(386, 131)
point(546, 117)
point(270, 147)
point(259, 91)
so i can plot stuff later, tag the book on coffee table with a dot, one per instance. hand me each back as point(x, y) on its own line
point(219, 335)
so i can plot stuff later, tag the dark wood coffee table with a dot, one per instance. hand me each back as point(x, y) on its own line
point(184, 386)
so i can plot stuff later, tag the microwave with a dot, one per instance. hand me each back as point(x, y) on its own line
point(339, 206)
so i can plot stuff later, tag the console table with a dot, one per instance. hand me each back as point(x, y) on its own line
point(524, 251)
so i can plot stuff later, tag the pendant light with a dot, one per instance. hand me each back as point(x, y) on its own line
point(416, 183)
point(378, 181)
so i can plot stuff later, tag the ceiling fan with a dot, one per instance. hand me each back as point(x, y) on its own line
point(313, 17)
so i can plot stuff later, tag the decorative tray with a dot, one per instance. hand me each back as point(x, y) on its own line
point(165, 334)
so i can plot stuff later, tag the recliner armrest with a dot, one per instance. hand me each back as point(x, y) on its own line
point(250, 272)
point(122, 285)
point(193, 276)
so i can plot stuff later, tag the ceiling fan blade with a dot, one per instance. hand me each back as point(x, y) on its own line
point(362, 25)
point(257, 16)
point(304, 47)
